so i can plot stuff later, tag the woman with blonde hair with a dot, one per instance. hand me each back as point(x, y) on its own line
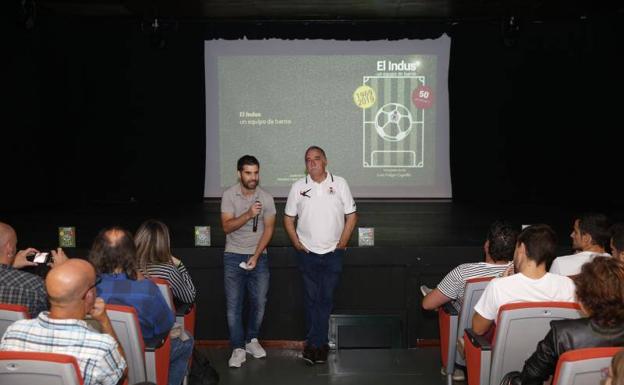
point(155, 260)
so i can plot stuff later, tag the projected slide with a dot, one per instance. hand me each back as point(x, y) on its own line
point(379, 109)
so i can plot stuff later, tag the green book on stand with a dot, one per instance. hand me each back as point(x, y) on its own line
point(67, 236)
point(202, 235)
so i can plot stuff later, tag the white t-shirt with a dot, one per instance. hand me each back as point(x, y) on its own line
point(571, 264)
point(320, 208)
point(520, 288)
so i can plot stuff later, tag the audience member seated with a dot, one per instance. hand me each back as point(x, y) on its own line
point(20, 287)
point(616, 371)
point(590, 238)
point(617, 241)
point(71, 289)
point(499, 250)
point(155, 260)
point(114, 256)
point(600, 293)
point(535, 248)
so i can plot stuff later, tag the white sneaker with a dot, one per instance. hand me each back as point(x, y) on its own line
point(255, 349)
point(425, 290)
point(458, 375)
point(237, 358)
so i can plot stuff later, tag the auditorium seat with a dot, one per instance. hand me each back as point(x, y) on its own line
point(28, 368)
point(453, 323)
point(185, 313)
point(145, 363)
point(583, 366)
point(519, 327)
point(10, 313)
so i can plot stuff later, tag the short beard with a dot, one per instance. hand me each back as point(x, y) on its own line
point(246, 185)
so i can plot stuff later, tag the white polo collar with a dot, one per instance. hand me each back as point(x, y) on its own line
point(329, 175)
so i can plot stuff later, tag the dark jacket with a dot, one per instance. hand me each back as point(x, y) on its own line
point(566, 335)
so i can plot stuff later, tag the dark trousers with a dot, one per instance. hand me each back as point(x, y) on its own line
point(321, 274)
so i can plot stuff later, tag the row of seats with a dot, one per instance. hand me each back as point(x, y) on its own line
point(519, 327)
point(145, 363)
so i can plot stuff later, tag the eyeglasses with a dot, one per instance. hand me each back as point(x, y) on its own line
point(98, 279)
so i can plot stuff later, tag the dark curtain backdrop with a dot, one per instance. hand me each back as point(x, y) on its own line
point(107, 110)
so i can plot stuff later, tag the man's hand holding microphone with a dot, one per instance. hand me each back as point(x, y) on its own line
point(254, 210)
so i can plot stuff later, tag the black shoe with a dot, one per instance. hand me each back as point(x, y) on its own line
point(309, 355)
point(321, 354)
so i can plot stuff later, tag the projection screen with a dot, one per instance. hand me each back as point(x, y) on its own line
point(379, 109)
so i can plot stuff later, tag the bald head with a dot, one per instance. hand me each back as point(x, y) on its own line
point(114, 236)
point(68, 283)
point(6, 233)
point(8, 240)
point(113, 251)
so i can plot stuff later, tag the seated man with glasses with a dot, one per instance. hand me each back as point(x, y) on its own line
point(63, 329)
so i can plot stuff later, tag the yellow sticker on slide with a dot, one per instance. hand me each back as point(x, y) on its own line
point(364, 97)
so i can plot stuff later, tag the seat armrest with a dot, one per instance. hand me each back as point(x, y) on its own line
point(478, 353)
point(477, 340)
point(447, 322)
point(183, 309)
point(449, 309)
point(157, 362)
point(155, 344)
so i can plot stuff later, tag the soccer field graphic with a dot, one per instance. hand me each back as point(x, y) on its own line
point(393, 128)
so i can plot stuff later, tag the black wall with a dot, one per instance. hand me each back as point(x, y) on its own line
point(105, 125)
point(415, 243)
point(107, 110)
point(379, 281)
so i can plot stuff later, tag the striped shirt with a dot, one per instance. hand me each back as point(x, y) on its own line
point(178, 277)
point(21, 288)
point(97, 354)
point(454, 284)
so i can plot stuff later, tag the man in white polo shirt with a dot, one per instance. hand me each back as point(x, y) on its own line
point(590, 238)
point(326, 216)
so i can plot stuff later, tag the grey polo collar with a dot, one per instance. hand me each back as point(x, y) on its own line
point(239, 192)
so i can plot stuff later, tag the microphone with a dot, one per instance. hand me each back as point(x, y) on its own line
point(255, 220)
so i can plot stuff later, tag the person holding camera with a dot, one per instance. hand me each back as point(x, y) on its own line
point(20, 287)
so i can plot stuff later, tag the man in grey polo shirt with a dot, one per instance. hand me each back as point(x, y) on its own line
point(248, 220)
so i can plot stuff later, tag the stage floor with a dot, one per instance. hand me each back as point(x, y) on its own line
point(344, 367)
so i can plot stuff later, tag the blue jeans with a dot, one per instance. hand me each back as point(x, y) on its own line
point(178, 360)
point(237, 281)
point(321, 274)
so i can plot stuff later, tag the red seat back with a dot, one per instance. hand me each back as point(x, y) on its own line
point(28, 368)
